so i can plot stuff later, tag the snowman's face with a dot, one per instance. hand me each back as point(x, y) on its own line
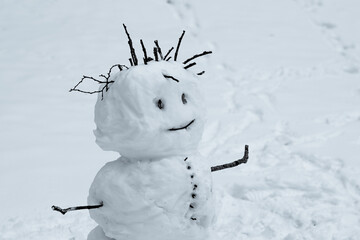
point(151, 111)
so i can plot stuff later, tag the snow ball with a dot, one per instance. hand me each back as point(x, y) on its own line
point(151, 111)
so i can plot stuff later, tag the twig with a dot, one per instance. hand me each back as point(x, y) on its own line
point(82, 79)
point(168, 58)
point(131, 62)
point(120, 67)
point(196, 56)
point(158, 49)
point(171, 77)
point(108, 75)
point(149, 59)
point(201, 73)
point(64, 211)
point(168, 52)
point(178, 45)
point(155, 54)
point(132, 50)
point(144, 50)
point(235, 163)
point(106, 85)
point(190, 65)
point(111, 68)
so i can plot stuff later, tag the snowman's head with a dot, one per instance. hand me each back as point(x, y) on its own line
point(151, 111)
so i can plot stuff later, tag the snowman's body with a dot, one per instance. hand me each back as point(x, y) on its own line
point(160, 189)
point(165, 199)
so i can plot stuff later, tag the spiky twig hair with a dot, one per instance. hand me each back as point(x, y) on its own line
point(158, 56)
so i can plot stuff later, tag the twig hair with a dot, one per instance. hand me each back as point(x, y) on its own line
point(158, 56)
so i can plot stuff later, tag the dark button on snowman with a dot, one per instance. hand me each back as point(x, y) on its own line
point(160, 188)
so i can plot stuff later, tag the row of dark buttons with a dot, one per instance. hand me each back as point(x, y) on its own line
point(193, 195)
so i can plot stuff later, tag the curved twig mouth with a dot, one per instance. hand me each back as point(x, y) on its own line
point(184, 127)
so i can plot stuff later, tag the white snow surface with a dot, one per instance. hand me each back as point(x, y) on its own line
point(284, 79)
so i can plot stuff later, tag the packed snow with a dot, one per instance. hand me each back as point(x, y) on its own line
point(284, 79)
point(129, 120)
point(153, 115)
point(152, 198)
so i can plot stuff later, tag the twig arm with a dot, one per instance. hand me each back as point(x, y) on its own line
point(63, 211)
point(233, 164)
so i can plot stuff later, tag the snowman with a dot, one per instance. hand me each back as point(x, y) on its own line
point(160, 188)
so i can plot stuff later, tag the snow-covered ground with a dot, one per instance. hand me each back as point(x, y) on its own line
point(284, 78)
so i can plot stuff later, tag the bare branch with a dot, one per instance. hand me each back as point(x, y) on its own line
point(201, 73)
point(190, 65)
point(144, 50)
point(149, 59)
point(132, 50)
point(233, 164)
point(82, 79)
point(82, 91)
point(178, 46)
point(105, 87)
point(168, 58)
point(158, 49)
point(196, 56)
point(171, 77)
point(131, 62)
point(155, 54)
point(109, 74)
point(172, 48)
point(111, 68)
point(121, 66)
point(64, 211)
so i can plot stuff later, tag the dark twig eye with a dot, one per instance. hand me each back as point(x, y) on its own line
point(183, 98)
point(160, 104)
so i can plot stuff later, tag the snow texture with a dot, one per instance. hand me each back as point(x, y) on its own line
point(153, 115)
point(153, 198)
point(284, 78)
point(130, 122)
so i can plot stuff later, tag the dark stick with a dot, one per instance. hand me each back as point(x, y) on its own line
point(178, 45)
point(63, 211)
point(121, 66)
point(171, 77)
point(98, 91)
point(106, 86)
point(108, 77)
point(201, 73)
point(233, 164)
point(158, 49)
point(155, 54)
point(168, 58)
point(132, 50)
point(109, 72)
point(168, 52)
point(196, 56)
point(78, 90)
point(144, 50)
point(82, 79)
point(149, 59)
point(107, 82)
point(131, 62)
point(190, 65)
